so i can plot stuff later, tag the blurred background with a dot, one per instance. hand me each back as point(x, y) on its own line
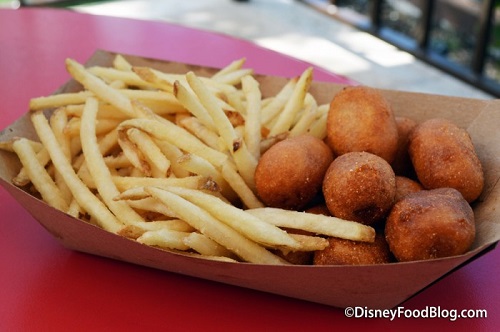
point(449, 47)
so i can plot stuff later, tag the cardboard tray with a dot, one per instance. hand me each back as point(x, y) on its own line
point(375, 286)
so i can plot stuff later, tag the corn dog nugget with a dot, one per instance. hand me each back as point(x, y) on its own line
point(347, 252)
point(405, 186)
point(359, 186)
point(402, 163)
point(361, 119)
point(290, 174)
point(430, 224)
point(443, 156)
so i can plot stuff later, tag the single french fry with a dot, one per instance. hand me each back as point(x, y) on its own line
point(211, 258)
point(206, 246)
point(164, 238)
point(294, 104)
point(120, 63)
point(266, 100)
point(75, 210)
point(231, 67)
point(318, 127)
point(136, 230)
point(316, 223)
point(200, 166)
point(22, 178)
point(252, 133)
point(133, 194)
point(166, 81)
point(133, 153)
point(152, 76)
point(106, 143)
point(236, 101)
point(245, 163)
point(234, 77)
point(196, 165)
point(307, 118)
point(192, 103)
point(239, 185)
point(103, 126)
point(7, 145)
point(59, 100)
point(106, 111)
point(177, 136)
point(118, 84)
point(159, 164)
point(195, 127)
point(124, 183)
point(58, 122)
point(89, 202)
point(112, 74)
point(98, 169)
point(219, 88)
point(160, 102)
point(273, 108)
point(173, 153)
point(309, 243)
point(84, 175)
point(38, 175)
point(266, 143)
point(148, 206)
point(167, 78)
point(117, 162)
point(100, 88)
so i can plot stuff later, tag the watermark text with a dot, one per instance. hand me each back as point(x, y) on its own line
point(429, 312)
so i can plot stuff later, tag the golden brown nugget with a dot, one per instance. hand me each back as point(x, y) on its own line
point(402, 163)
point(405, 185)
point(361, 119)
point(347, 252)
point(430, 224)
point(290, 174)
point(443, 156)
point(359, 186)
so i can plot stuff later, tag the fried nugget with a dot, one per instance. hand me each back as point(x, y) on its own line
point(359, 186)
point(405, 185)
point(443, 156)
point(361, 119)
point(290, 174)
point(430, 224)
point(402, 163)
point(347, 252)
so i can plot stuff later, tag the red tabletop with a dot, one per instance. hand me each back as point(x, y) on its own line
point(46, 287)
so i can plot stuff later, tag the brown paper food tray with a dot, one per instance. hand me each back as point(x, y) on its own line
point(376, 286)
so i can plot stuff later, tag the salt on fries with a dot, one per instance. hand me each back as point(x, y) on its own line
point(168, 160)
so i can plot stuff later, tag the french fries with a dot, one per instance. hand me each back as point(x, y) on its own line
point(168, 160)
point(82, 194)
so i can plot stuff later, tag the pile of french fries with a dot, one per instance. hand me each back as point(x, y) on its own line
point(168, 160)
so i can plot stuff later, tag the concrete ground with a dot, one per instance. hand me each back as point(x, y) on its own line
point(293, 28)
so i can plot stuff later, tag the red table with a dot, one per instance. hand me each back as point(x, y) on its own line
point(46, 287)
